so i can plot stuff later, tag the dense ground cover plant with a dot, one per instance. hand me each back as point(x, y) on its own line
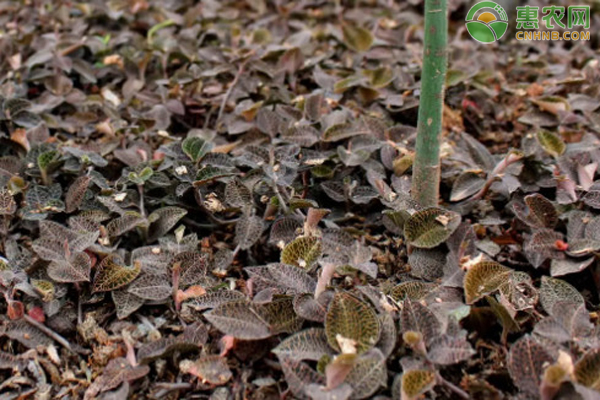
point(213, 200)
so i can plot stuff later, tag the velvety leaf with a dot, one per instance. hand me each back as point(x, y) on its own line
point(47, 159)
point(240, 320)
point(192, 268)
point(478, 152)
point(357, 38)
point(417, 382)
point(448, 350)
point(163, 219)
point(307, 307)
point(126, 303)
point(350, 318)
point(248, 231)
point(290, 279)
point(214, 299)
point(76, 269)
point(388, 335)
point(7, 203)
point(431, 227)
point(427, 264)
point(418, 318)
point(298, 375)
point(526, 362)
point(538, 213)
point(51, 249)
point(26, 334)
point(543, 245)
point(318, 392)
point(196, 148)
point(245, 320)
point(582, 247)
point(284, 230)
point(210, 369)
point(76, 193)
point(210, 173)
point(302, 135)
point(368, 374)
point(112, 274)
point(128, 221)
point(569, 266)
point(269, 121)
point(466, 185)
point(506, 317)
point(554, 290)
point(484, 278)
point(552, 143)
point(587, 370)
point(151, 287)
point(309, 344)
point(303, 252)
point(280, 315)
point(237, 194)
point(156, 349)
point(335, 190)
point(414, 290)
point(342, 131)
point(117, 371)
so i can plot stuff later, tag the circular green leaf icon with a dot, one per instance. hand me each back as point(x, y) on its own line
point(490, 24)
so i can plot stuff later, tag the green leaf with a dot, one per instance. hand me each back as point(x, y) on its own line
point(357, 38)
point(152, 31)
point(417, 382)
point(552, 143)
point(484, 278)
point(455, 76)
point(380, 77)
point(48, 159)
point(302, 252)
point(430, 227)
point(480, 31)
point(350, 318)
point(141, 177)
point(112, 274)
point(196, 148)
point(539, 213)
point(347, 83)
point(414, 290)
point(587, 370)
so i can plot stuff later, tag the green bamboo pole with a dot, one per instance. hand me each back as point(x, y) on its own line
point(426, 167)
